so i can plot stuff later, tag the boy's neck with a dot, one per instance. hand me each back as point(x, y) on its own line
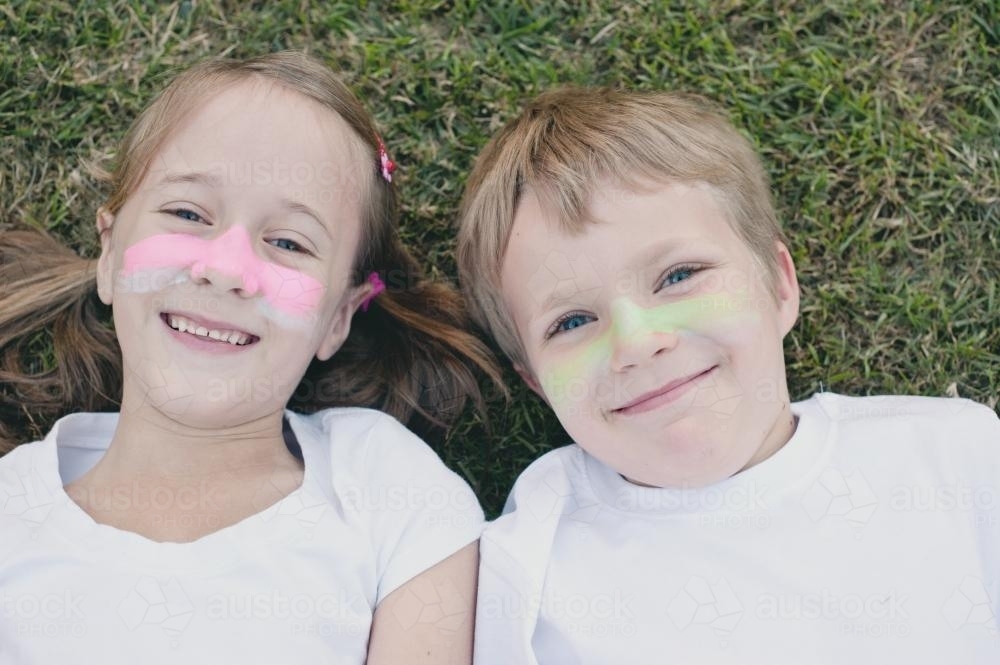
point(781, 432)
point(777, 436)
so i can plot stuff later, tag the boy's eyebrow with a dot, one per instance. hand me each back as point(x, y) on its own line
point(196, 178)
point(649, 256)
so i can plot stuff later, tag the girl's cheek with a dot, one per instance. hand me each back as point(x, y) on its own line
point(287, 296)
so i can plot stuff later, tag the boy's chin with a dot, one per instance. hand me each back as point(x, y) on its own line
point(697, 465)
point(696, 479)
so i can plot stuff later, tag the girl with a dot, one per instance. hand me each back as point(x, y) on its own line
point(252, 213)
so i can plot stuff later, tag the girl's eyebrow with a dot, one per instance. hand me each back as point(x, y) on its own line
point(295, 206)
point(213, 180)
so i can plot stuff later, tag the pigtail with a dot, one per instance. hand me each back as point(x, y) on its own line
point(411, 354)
point(45, 288)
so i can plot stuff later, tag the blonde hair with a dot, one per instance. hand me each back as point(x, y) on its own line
point(410, 354)
point(568, 140)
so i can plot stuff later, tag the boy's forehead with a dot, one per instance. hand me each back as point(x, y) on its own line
point(630, 228)
point(623, 223)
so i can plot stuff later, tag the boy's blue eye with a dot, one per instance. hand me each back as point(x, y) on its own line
point(568, 322)
point(678, 274)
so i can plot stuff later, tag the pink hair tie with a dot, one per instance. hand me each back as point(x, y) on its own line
point(378, 286)
point(387, 165)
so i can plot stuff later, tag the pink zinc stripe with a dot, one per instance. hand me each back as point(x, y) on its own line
point(287, 290)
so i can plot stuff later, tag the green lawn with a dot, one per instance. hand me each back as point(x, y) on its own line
point(878, 122)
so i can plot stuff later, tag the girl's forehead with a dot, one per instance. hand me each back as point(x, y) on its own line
point(267, 131)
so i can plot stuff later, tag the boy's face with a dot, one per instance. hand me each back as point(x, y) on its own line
point(652, 333)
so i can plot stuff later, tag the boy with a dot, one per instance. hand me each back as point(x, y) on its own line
point(623, 250)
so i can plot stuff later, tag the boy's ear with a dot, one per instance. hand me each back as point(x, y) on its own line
point(340, 326)
point(787, 289)
point(530, 379)
point(105, 220)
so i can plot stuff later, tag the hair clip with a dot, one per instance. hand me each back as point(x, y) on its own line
point(388, 166)
point(378, 286)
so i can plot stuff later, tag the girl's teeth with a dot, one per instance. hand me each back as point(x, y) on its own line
point(232, 337)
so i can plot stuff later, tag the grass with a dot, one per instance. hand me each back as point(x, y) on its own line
point(877, 121)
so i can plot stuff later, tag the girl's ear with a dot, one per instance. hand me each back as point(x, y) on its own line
point(340, 326)
point(105, 278)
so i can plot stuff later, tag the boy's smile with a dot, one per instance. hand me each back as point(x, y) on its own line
point(656, 340)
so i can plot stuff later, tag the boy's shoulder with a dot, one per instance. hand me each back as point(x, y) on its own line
point(547, 481)
point(935, 414)
point(938, 430)
point(846, 408)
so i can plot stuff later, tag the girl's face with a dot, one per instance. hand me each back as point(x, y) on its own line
point(651, 333)
point(247, 221)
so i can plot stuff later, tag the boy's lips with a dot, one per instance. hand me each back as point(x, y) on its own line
point(666, 393)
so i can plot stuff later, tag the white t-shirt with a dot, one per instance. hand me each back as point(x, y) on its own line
point(872, 536)
point(297, 582)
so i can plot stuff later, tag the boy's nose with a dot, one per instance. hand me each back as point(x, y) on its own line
point(636, 336)
point(229, 262)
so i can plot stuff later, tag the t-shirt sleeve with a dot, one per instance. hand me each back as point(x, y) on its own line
point(424, 513)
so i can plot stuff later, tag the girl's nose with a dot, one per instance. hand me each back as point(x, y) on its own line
point(230, 263)
point(636, 336)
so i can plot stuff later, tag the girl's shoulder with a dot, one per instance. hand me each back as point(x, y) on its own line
point(364, 446)
point(353, 431)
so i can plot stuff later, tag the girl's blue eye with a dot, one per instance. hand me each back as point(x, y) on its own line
point(189, 215)
point(192, 216)
point(568, 322)
point(296, 247)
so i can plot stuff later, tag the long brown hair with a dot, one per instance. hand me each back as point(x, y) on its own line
point(411, 354)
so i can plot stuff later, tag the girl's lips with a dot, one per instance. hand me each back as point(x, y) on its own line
point(209, 323)
point(205, 344)
point(668, 393)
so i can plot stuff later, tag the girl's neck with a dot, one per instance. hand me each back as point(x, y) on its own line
point(175, 483)
point(149, 444)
